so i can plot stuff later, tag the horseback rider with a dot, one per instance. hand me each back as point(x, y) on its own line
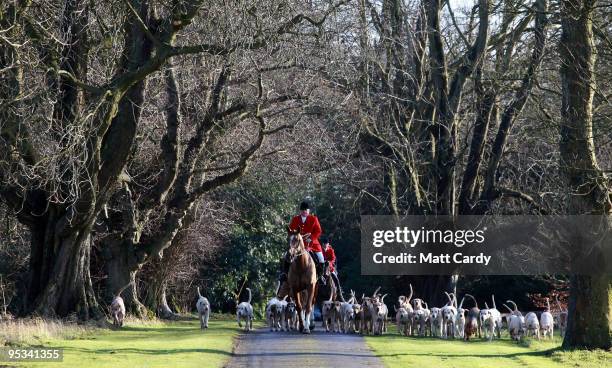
point(310, 229)
point(330, 259)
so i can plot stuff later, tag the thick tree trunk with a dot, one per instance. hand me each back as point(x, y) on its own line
point(156, 295)
point(60, 282)
point(590, 307)
point(121, 270)
point(589, 313)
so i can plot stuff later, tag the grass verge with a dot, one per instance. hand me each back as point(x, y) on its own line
point(137, 344)
point(407, 352)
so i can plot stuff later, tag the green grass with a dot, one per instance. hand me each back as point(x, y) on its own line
point(153, 344)
point(406, 352)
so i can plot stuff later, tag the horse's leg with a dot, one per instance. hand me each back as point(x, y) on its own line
point(309, 305)
point(298, 308)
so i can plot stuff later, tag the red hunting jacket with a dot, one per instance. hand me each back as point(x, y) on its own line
point(330, 256)
point(312, 226)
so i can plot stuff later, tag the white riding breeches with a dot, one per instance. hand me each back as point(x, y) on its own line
point(320, 257)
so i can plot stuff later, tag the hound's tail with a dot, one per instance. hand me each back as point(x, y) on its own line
point(409, 296)
point(508, 308)
point(199, 295)
point(493, 298)
point(473, 299)
point(375, 291)
point(461, 304)
point(450, 300)
point(249, 290)
point(513, 304)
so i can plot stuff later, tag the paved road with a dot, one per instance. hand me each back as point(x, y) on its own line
point(262, 348)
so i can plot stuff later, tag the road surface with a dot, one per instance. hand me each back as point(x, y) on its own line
point(262, 348)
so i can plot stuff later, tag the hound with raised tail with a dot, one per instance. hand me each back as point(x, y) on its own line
point(117, 307)
point(547, 322)
point(245, 311)
point(380, 316)
point(203, 307)
point(449, 313)
point(367, 312)
point(472, 323)
point(460, 319)
point(496, 318)
point(516, 322)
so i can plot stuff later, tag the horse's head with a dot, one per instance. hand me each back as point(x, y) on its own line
point(296, 242)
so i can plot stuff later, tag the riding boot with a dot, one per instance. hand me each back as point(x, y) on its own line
point(321, 272)
point(338, 287)
point(284, 269)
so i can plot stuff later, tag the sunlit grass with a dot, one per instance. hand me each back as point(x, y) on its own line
point(143, 344)
point(405, 352)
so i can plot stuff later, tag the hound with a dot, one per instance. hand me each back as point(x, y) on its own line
point(420, 315)
point(460, 320)
point(496, 317)
point(532, 324)
point(516, 322)
point(435, 321)
point(117, 307)
point(379, 318)
point(403, 321)
point(337, 316)
point(290, 316)
point(367, 310)
point(245, 311)
point(203, 307)
point(449, 313)
point(547, 322)
point(273, 311)
point(472, 325)
point(326, 312)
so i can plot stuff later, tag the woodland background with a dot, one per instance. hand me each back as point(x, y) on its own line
point(168, 142)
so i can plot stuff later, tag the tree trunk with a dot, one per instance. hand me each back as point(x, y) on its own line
point(60, 282)
point(156, 295)
point(589, 314)
point(121, 270)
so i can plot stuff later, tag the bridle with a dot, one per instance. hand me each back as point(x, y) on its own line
point(293, 257)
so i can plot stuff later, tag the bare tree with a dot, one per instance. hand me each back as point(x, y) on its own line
point(589, 322)
point(57, 174)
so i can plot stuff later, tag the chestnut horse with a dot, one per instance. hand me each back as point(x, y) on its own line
point(301, 279)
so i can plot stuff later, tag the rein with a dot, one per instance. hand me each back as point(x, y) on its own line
point(295, 256)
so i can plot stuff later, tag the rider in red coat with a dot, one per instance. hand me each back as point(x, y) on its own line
point(310, 229)
point(330, 256)
point(330, 259)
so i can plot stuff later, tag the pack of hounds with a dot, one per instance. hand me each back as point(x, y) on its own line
point(413, 317)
